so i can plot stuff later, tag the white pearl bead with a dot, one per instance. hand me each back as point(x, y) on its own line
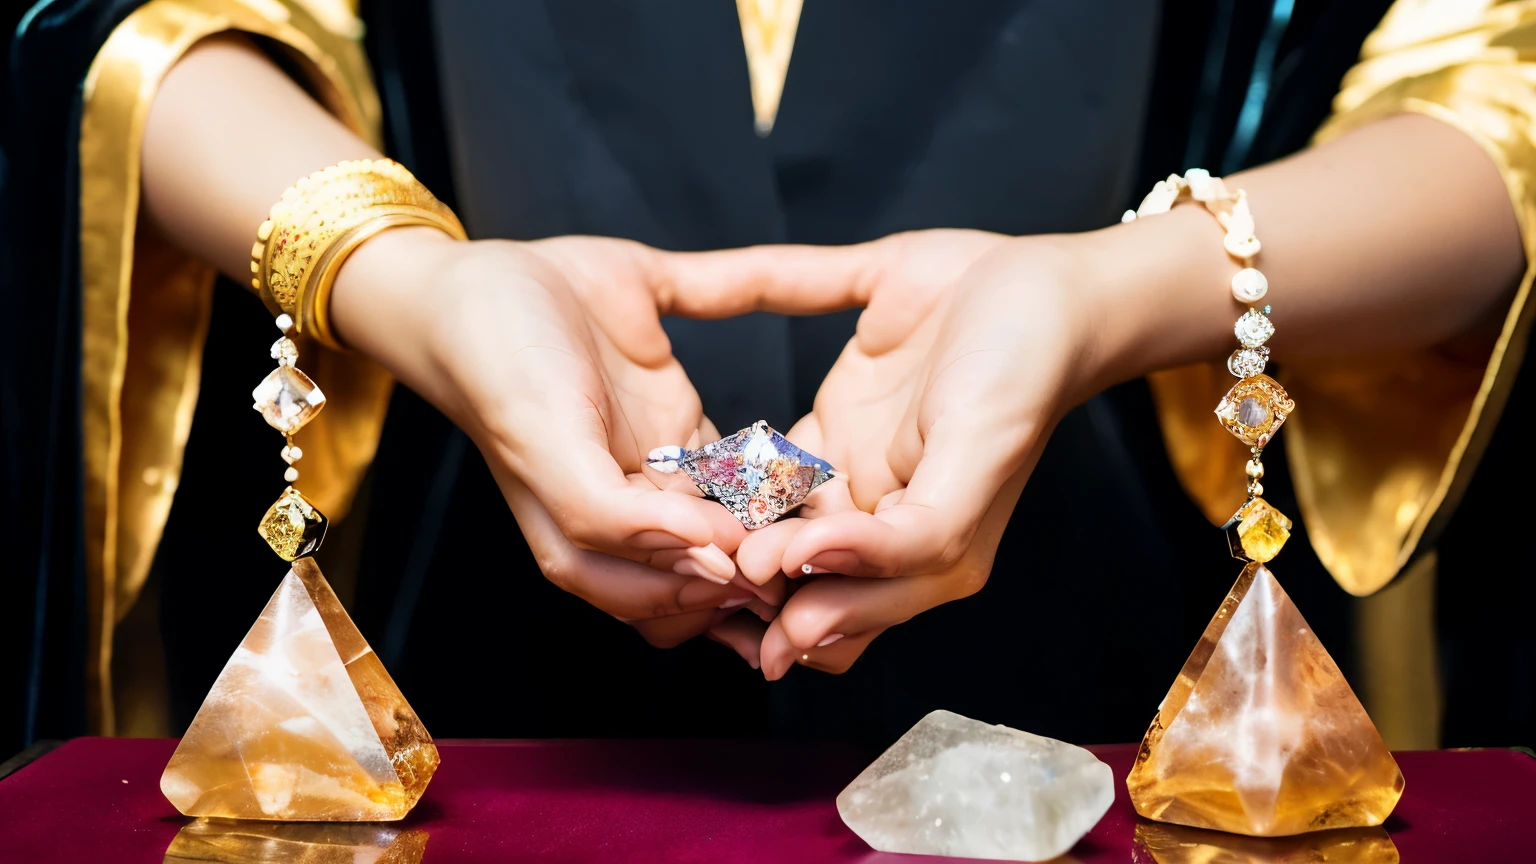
point(291, 474)
point(284, 323)
point(295, 453)
point(1249, 285)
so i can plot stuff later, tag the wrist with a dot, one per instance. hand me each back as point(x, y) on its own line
point(1158, 295)
point(383, 290)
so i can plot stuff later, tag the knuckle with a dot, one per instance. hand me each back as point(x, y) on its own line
point(970, 580)
point(557, 568)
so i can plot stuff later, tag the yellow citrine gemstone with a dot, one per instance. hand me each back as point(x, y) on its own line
point(292, 526)
point(1258, 531)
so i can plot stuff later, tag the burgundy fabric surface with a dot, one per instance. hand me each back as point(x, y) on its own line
point(98, 800)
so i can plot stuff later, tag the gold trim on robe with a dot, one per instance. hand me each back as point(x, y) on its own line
point(146, 304)
point(1372, 494)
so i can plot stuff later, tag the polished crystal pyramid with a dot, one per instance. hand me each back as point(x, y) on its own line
point(956, 786)
point(1160, 843)
point(303, 724)
point(287, 399)
point(756, 473)
point(1261, 734)
point(227, 841)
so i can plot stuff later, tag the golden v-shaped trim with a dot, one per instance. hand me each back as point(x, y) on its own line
point(768, 33)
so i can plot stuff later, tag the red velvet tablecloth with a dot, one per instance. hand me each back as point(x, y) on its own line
point(98, 800)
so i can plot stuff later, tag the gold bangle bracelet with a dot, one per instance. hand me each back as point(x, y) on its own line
point(315, 300)
point(320, 221)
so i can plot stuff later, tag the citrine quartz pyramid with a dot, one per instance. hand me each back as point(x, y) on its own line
point(1261, 734)
point(303, 724)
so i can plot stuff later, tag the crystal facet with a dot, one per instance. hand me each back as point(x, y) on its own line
point(1159, 843)
point(285, 351)
point(956, 786)
point(1260, 733)
point(1254, 409)
point(226, 841)
point(1257, 531)
point(756, 473)
point(1248, 362)
point(303, 724)
point(287, 399)
point(1253, 329)
point(292, 526)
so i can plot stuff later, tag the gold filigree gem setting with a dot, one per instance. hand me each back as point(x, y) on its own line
point(1254, 409)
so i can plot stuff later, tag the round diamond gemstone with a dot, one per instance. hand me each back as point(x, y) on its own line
point(1253, 329)
point(1251, 413)
point(1247, 362)
point(1249, 285)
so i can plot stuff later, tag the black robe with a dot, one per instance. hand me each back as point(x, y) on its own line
point(1061, 642)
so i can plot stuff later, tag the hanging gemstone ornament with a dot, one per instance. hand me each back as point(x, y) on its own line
point(288, 400)
point(304, 722)
point(1260, 733)
point(756, 473)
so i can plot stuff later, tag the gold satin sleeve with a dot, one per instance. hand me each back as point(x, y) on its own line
point(146, 304)
point(1372, 495)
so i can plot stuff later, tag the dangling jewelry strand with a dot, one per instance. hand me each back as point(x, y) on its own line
point(1256, 406)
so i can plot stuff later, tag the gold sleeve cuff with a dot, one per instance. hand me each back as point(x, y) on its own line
point(1385, 445)
point(146, 305)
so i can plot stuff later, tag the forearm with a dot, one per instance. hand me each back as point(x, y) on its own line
point(1400, 235)
point(228, 132)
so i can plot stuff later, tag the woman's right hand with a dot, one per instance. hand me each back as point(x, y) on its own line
point(551, 356)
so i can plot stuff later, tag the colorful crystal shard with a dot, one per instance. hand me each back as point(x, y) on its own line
point(1254, 409)
point(756, 473)
point(1159, 843)
point(1260, 733)
point(1257, 531)
point(287, 399)
point(957, 786)
point(227, 841)
point(303, 724)
point(292, 526)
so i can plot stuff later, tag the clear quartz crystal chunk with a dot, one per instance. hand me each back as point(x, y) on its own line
point(287, 399)
point(956, 786)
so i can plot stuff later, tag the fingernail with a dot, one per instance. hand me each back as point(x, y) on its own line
point(832, 562)
point(690, 567)
point(736, 601)
point(831, 637)
point(714, 560)
point(658, 540)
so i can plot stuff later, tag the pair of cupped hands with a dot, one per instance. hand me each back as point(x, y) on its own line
point(552, 357)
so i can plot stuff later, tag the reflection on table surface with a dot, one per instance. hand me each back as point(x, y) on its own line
point(227, 841)
point(1159, 843)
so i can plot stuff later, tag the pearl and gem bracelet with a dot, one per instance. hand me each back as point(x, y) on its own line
point(1256, 406)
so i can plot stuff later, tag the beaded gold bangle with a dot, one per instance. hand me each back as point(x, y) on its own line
point(1256, 406)
point(320, 221)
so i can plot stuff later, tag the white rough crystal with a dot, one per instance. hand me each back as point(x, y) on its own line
point(956, 786)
